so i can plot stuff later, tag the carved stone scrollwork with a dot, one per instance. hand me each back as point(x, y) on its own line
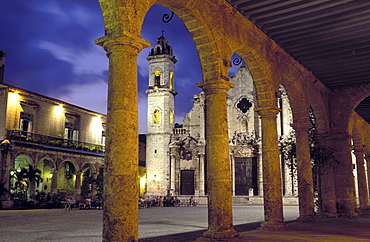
point(244, 144)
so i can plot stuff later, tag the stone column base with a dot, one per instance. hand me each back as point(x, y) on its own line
point(272, 225)
point(307, 219)
point(219, 236)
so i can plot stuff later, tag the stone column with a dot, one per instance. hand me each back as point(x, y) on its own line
point(326, 180)
point(54, 183)
point(78, 183)
point(220, 220)
point(260, 171)
point(201, 175)
point(367, 158)
point(344, 180)
point(363, 194)
point(232, 161)
point(173, 173)
point(93, 185)
point(120, 219)
point(304, 172)
point(272, 190)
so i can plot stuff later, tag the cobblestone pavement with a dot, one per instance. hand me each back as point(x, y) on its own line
point(86, 225)
point(176, 224)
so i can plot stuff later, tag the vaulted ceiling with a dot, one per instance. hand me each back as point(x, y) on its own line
point(331, 38)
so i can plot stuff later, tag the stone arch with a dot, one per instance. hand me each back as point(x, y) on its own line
point(46, 157)
point(343, 102)
point(68, 171)
point(87, 175)
point(266, 91)
point(47, 166)
point(22, 161)
point(357, 139)
point(214, 27)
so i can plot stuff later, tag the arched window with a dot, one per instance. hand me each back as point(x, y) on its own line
point(157, 78)
point(172, 117)
point(171, 79)
point(157, 116)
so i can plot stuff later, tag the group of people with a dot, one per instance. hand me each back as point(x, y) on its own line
point(82, 202)
point(163, 201)
point(63, 201)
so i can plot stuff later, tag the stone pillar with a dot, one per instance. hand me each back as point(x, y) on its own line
point(120, 219)
point(363, 194)
point(93, 185)
point(54, 183)
point(78, 183)
point(201, 175)
point(272, 187)
point(326, 180)
point(367, 158)
point(220, 220)
point(304, 172)
point(173, 173)
point(6, 164)
point(260, 171)
point(344, 180)
point(232, 161)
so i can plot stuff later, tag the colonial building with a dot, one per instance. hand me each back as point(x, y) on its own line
point(66, 143)
point(63, 141)
point(176, 154)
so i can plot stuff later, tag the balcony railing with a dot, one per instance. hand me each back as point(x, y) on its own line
point(29, 137)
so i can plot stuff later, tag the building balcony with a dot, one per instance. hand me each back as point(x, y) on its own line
point(46, 141)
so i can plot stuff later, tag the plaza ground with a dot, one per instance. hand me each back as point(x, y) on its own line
point(173, 224)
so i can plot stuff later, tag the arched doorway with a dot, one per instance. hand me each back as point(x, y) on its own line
point(87, 180)
point(47, 167)
point(67, 178)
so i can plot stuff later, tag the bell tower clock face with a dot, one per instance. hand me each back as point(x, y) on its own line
point(244, 105)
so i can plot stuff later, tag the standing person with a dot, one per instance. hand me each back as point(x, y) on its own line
point(192, 201)
point(160, 201)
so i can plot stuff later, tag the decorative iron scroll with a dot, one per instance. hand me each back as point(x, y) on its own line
point(167, 18)
point(238, 61)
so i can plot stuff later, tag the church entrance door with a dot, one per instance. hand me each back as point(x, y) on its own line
point(245, 175)
point(187, 182)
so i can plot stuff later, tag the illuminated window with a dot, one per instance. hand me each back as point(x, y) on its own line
point(172, 117)
point(171, 79)
point(157, 116)
point(103, 137)
point(157, 78)
point(25, 123)
point(71, 127)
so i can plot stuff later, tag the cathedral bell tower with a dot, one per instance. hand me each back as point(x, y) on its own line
point(161, 117)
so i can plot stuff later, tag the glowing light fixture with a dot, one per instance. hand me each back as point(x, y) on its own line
point(58, 110)
point(13, 97)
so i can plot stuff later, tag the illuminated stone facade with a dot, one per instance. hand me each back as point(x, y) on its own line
point(176, 163)
point(63, 141)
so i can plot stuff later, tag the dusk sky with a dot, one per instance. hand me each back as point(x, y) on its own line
point(50, 50)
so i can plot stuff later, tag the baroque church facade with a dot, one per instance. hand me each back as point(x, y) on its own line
point(176, 159)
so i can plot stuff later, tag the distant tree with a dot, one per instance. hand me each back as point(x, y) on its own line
point(99, 183)
point(288, 151)
point(26, 177)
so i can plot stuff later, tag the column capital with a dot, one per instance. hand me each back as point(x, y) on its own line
point(120, 43)
point(268, 112)
point(215, 86)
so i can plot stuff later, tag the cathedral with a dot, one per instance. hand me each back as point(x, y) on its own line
point(176, 153)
